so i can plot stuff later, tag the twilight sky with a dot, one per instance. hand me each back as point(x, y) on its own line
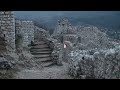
point(103, 18)
point(32, 14)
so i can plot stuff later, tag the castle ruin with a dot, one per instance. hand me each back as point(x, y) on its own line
point(66, 31)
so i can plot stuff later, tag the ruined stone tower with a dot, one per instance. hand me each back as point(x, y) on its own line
point(66, 31)
point(62, 26)
point(7, 28)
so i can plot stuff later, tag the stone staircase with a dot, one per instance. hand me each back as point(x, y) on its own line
point(42, 53)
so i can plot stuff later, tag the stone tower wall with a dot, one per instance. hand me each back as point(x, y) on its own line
point(7, 28)
point(66, 30)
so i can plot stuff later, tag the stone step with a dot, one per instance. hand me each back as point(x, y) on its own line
point(41, 49)
point(37, 43)
point(40, 46)
point(46, 59)
point(42, 56)
point(41, 52)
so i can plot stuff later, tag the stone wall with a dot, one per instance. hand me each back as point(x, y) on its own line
point(7, 27)
point(26, 29)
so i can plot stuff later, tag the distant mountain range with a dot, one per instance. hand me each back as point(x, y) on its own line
point(104, 18)
point(107, 19)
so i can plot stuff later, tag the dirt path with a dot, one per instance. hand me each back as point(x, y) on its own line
point(53, 72)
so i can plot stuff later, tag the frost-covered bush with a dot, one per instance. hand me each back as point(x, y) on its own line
point(103, 64)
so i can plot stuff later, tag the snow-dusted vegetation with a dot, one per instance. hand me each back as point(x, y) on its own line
point(102, 64)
